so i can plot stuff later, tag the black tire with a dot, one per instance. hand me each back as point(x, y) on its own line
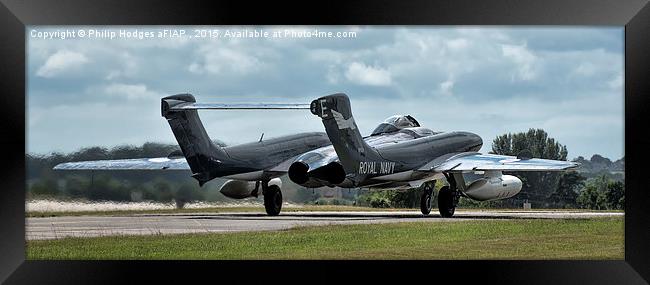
point(446, 202)
point(426, 200)
point(273, 200)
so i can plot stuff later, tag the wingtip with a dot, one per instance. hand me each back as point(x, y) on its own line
point(573, 165)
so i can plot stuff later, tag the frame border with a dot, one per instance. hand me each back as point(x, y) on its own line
point(633, 14)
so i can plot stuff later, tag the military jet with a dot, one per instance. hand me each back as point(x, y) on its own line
point(400, 154)
point(249, 167)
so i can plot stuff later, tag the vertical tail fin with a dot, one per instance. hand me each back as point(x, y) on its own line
point(342, 130)
point(201, 153)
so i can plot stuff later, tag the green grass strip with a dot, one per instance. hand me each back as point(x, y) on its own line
point(600, 238)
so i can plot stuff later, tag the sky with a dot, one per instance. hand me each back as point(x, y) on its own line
point(101, 86)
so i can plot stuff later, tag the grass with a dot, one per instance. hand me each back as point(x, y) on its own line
point(600, 238)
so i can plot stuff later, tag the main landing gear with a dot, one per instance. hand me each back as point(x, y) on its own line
point(272, 199)
point(427, 197)
point(448, 197)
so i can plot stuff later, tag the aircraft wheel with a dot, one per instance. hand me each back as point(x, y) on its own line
point(446, 202)
point(426, 198)
point(273, 200)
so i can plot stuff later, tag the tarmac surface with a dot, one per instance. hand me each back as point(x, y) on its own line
point(152, 224)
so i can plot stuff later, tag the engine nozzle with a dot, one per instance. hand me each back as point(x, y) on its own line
point(327, 175)
point(298, 172)
point(332, 173)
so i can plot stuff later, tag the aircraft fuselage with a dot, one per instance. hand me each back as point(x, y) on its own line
point(401, 153)
point(250, 161)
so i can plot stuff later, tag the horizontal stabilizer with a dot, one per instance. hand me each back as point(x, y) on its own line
point(240, 106)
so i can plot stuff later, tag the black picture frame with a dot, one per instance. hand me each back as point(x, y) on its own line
point(15, 15)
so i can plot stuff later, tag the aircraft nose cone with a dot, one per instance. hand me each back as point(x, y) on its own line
point(477, 139)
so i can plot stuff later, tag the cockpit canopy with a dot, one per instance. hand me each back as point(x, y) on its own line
point(395, 123)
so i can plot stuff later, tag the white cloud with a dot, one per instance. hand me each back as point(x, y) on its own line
point(446, 87)
point(112, 74)
point(586, 69)
point(61, 61)
point(195, 68)
point(617, 82)
point(333, 75)
point(361, 74)
point(523, 58)
point(326, 55)
point(131, 91)
point(221, 60)
point(457, 44)
point(128, 66)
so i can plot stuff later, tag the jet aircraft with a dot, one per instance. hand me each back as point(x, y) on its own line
point(249, 167)
point(399, 154)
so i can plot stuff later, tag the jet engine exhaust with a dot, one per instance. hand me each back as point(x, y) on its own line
point(298, 172)
point(332, 173)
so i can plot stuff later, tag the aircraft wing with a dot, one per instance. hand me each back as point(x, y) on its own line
point(472, 161)
point(284, 166)
point(158, 163)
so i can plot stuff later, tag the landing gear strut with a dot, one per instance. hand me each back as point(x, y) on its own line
point(272, 199)
point(427, 197)
point(448, 198)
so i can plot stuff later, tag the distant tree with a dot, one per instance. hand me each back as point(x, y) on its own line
point(594, 194)
point(567, 189)
point(469, 203)
point(615, 195)
point(105, 188)
point(406, 199)
point(534, 140)
point(158, 150)
point(76, 186)
point(590, 198)
point(537, 186)
point(187, 193)
point(409, 198)
point(162, 191)
point(597, 158)
point(90, 153)
point(126, 151)
point(380, 200)
point(45, 188)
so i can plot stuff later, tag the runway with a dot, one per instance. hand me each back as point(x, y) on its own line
point(151, 224)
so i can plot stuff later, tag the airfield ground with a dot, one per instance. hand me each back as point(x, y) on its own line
point(600, 238)
point(209, 209)
point(328, 233)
